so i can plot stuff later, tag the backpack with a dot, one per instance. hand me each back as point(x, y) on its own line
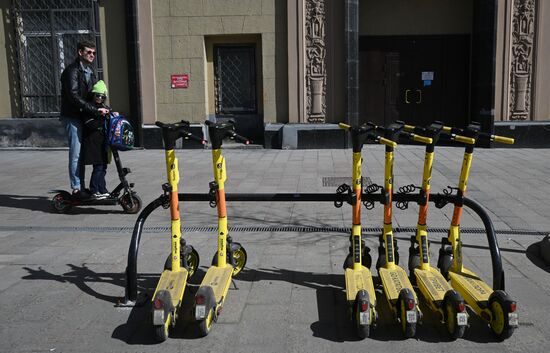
point(119, 133)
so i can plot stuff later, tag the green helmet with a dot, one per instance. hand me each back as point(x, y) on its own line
point(100, 87)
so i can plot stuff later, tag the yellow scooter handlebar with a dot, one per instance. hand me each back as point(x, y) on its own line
point(421, 139)
point(502, 139)
point(344, 126)
point(385, 141)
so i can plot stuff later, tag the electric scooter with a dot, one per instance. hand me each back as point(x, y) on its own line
point(438, 294)
point(231, 256)
point(397, 287)
point(122, 195)
point(495, 307)
point(184, 259)
point(360, 293)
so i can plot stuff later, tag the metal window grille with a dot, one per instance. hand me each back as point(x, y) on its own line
point(47, 33)
point(235, 80)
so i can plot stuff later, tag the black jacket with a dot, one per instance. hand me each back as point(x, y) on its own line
point(75, 91)
point(94, 149)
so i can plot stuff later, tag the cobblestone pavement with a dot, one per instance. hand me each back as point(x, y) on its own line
point(62, 274)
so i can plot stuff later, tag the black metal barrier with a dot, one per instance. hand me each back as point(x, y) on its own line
point(441, 200)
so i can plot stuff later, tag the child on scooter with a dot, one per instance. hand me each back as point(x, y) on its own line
point(95, 150)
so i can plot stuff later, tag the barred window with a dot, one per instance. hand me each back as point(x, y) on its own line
point(47, 33)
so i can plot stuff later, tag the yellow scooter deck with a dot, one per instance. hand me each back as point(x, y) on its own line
point(219, 278)
point(173, 282)
point(474, 290)
point(432, 284)
point(357, 280)
point(393, 280)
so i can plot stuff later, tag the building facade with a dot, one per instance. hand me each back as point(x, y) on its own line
point(287, 71)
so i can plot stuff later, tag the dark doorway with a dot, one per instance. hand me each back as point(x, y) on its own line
point(236, 90)
point(417, 79)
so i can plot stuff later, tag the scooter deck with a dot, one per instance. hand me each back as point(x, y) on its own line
point(357, 280)
point(471, 287)
point(219, 278)
point(432, 284)
point(173, 282)
point(393, 280)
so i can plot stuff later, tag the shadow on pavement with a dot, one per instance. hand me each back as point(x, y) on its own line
point(533, 254)
point(31, 203)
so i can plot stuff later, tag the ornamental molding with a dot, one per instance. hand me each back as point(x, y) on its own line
point(521, 64)
point(316, 77)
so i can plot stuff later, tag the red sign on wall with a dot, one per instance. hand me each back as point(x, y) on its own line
point(180, 81)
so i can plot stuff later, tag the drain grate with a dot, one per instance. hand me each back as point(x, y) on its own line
point(255, 229)
point(337, 181)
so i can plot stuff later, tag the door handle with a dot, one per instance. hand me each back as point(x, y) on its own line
point(419, 96)
point(407, 96)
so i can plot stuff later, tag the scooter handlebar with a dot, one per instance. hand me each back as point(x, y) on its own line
point(422, 139)
point(384, 141)
point(463, 139)
point(344, 126)
point(502, 139)
point(240, 138)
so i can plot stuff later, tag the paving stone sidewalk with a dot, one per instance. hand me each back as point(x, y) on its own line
point(62, 274)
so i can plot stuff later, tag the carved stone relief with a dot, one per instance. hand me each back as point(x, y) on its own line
point(521, 67)
point(315, 61)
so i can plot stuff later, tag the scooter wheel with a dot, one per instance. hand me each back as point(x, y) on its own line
point(499, 303)
point(161, 332)
point(408, 328)
point(59, 204)
point(362, 306)
point(445, 261)
point(239, 258)
point(205, 325)
point(193, 260)
point(126, 203)
point(453, 329)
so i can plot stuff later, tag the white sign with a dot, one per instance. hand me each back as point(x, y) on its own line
point(427, 75)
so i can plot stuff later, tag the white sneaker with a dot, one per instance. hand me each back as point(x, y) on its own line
point(100, 196)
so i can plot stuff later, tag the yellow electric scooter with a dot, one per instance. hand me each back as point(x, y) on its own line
point(360, 293)
point(397, 287)
point(184, 259)
point(230, 257)
point(496, 307)
point(438, 294)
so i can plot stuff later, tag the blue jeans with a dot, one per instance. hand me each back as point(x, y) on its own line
point(73, 127)
point(97, 180)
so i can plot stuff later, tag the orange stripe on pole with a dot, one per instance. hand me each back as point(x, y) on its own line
point(456, 216)
point(356, 210)
point(387, 208)
point(174, 206)
point(220, 196)
point(423, 211)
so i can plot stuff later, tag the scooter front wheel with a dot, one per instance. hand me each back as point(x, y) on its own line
point(131, 203)
point(60, 204)
point(192, 259)
point(239, 258)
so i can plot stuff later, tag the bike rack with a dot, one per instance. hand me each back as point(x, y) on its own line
point(131, 295)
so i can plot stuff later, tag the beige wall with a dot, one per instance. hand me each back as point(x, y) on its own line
point(8, 89)
point(542, 58)
point(180, 27)
point(114, 53)
point(415, 17)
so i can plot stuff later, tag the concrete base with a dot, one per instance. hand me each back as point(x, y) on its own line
point(32, 132)
point(531, 134)
point(313, 136)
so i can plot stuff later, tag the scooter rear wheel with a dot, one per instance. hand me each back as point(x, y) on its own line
point(126, 203)
point(408, 328)
point(362, 299)
point(161, 331)
point(453, 329)
point(59, 204)
point(500, 323)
